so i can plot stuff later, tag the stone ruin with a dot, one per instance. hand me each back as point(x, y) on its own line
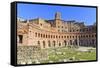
point(30, 55)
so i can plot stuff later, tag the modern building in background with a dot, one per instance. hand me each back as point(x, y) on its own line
point(55, 33)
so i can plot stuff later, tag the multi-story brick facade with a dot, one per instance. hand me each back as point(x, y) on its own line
point(55, 33)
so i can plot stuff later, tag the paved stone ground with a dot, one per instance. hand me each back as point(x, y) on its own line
point(84, 48)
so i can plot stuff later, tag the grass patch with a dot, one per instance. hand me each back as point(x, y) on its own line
point(69, 54)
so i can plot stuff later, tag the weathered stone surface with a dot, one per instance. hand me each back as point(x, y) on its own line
point(30, 54)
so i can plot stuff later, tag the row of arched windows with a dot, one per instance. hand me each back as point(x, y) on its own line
point(57, 36)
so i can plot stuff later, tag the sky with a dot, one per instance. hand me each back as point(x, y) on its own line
point(32, 11)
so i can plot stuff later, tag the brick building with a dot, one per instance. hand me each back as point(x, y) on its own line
point(55, 33)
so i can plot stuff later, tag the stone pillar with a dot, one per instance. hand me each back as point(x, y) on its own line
point(78, 42)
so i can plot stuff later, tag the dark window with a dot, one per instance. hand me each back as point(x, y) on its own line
point(70, 36)
point(76, 36)
point(44, 36)
point(67, 36)
point(62, 36)
point(92, 35)
point(87, 36)
point(59, 36)
point(41, 24)
point(20, 38)
point(35, 34)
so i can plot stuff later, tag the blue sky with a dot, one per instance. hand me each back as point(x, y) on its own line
point(81, 14)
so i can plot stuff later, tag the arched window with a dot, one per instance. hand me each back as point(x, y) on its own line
point(41, 35)
point(35, 34)
point(59, 36)
point(92, 35)
point(89, 36)
point(70, 36)
point(67, 36)
point(73, 36)
point(62, 36)
point(86, 36)
point(76, 36)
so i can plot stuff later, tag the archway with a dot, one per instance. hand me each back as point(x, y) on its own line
point(49, 44)
point(65, 42)
point(54, 43)
point(43, 44)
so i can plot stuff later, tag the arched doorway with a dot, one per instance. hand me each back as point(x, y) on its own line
point(75, 42)
point(39, 43)
point(54, 43)
point(20, 38)
point(70, 42)
point(43, 44)
point(59, 44)
point(65, 42)
point(49, 44)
